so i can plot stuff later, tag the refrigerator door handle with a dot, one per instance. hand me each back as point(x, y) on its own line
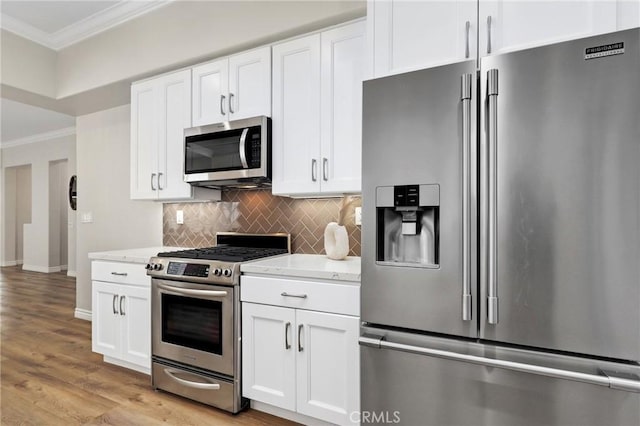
point(465, 98)
point(492, 285)
point(629, 384)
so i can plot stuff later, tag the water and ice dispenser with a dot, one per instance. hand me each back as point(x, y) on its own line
point(407, 225)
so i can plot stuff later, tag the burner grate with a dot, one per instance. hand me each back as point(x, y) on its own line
point(225, 253)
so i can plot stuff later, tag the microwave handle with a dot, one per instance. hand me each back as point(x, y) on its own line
point(243, 151)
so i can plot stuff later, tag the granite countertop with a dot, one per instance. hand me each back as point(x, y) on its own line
point(307, 266)
point(137, 255)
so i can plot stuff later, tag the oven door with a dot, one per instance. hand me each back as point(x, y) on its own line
point(193, 324)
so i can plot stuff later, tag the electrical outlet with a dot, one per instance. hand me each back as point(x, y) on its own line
point(86, 217)
point(358, 216)
point(180, 217)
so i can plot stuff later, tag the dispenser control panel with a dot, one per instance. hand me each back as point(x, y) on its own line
point(406, 195)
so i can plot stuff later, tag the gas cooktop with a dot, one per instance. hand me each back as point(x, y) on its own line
point(219, 264)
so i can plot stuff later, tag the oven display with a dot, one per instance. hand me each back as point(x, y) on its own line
point(188, 269)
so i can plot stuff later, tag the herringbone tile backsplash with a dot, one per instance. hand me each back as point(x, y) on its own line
point(259, 212)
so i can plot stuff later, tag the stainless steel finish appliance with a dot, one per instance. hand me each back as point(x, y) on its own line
point(195, 309)
point(233, 153)
point(528, 309)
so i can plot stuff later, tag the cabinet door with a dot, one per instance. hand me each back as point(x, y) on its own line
point(343, 63)
point(144, 141)
point(105, 324)
point(135, 314)
point(296, 116)
point(409, 35)
point(250, 84)
point(210, 98)
point(268, 355)
point(175, 116)
point(522, 24)
point(328, 366)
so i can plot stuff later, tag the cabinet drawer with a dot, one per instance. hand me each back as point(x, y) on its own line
point(119, 272)
point(316, 296)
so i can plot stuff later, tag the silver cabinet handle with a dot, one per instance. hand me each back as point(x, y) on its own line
point(113, 304)
point(222, 98)
point(491, 231)
point(231, 96)
point(160, 176)
point(299, 296)
point(242, 148)
point(120, 274)
point(191, 292)
point(122, 312)
point(325, 169)
point(287, 345)
point(489, 35)
point(465, 97)
point(606, 380)
point(300, 348)
point(153, 175)
point(467, 26)
point(190, 384)
point(314, 169)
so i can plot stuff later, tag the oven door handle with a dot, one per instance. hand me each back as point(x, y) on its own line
point(195, 385)
point(191, 292)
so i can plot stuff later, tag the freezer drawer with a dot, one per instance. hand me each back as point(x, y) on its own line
point(430, 390)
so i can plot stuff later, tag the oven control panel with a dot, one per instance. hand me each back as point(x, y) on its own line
point(188, 269)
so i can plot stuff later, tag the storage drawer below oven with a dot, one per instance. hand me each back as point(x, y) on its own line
point(199, 387)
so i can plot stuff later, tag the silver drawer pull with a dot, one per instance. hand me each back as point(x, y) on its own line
point(299, 296)
point(120, 274)
point(190, 384)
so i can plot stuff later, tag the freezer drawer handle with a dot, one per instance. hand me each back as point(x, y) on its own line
point(625, 384)
point(195, 385)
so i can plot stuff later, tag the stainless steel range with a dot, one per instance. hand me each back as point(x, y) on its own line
point(195, 308)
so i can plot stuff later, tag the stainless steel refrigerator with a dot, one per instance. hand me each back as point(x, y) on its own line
point(501, 239)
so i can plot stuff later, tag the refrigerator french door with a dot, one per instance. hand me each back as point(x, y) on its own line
point(529, 313)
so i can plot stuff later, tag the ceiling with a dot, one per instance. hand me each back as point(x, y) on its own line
point(58, 24)
point(19, 121)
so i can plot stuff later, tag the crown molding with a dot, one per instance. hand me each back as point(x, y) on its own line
point(40, 137)
point(101, 21)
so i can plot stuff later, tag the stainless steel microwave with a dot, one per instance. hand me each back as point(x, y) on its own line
point(234, 153)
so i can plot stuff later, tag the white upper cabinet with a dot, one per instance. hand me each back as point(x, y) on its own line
point(160, 111)
point(409, 35)
point(342, 72)
point(406, 35)
point(507, 25)
point(296, 116)
point(317, 112)
point(232, 88)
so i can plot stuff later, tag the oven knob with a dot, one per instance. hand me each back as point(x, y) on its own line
point(217, 272)
point(227, 272)
point(148, 266)
point(157, 266)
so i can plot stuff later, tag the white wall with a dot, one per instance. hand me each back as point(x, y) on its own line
point(58, 206)
point(103, 161)
point(27, 65)
point(36, 233)
point(185, 31)
point(23, 207)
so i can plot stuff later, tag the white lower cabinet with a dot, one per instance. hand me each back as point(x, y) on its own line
point(301, 360)
point(121, 318)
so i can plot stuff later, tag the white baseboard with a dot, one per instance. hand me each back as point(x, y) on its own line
point(82, 314)
point(71, 273)
point(286, 414)
point(63, 267)
point(10, 263)
point(44, 269)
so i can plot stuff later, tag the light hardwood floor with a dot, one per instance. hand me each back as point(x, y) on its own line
point(49, 376)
